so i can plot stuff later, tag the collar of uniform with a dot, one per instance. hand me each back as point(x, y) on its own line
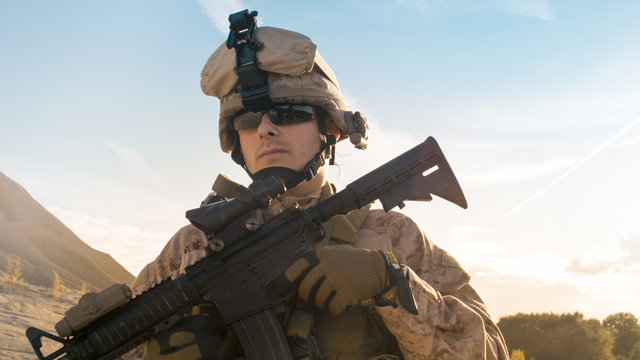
point(227, 188)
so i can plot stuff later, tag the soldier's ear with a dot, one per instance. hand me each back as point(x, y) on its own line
point(332, 128)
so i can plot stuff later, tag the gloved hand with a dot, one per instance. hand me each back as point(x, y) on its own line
point(342, 276)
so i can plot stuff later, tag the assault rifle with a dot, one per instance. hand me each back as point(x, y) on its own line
point(244, 260)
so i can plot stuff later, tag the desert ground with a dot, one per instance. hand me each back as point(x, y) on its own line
point(23, 305)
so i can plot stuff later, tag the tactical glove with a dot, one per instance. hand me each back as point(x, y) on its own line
point(341, 276)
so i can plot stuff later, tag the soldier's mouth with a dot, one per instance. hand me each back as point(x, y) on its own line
point(271, 153)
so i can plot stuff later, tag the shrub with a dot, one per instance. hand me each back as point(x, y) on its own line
point(58, 286)
point(13, 274)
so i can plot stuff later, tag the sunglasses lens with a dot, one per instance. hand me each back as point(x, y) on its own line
point(291, 114)
point(247, 121)
point(279, 115)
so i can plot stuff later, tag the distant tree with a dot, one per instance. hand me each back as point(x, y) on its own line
point(517, 354)
point(626, 333)
point(550, 336)
point(635, 352)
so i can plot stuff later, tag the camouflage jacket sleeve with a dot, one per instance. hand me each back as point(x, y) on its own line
point(452, 320)
point(184, 248)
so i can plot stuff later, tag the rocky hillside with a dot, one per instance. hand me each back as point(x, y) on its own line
point(45, 246)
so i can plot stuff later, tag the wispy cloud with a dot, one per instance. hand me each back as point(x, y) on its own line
point(134, 161)
point(597, 150)
point(218, 12)
point(481, 177)
point(412, 3)
point(621, 256)
point(538, 9)
point(541, 281)
point(131, 246)
point(468, 232)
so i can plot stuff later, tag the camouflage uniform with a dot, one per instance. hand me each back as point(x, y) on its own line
point(452, 323)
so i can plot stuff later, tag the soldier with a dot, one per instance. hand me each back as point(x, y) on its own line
point(290, 128)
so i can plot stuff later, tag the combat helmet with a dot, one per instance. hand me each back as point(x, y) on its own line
point(258, 67)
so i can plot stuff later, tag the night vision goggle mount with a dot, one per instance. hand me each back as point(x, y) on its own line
point(253, 81)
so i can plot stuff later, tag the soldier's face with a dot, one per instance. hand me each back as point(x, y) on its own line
point(290, 146)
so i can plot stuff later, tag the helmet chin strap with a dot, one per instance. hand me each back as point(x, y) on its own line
point(292, 177)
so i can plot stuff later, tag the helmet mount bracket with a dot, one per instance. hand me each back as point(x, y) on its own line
point(253, 81)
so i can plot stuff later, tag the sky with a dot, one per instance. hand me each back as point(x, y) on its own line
point(536, 104)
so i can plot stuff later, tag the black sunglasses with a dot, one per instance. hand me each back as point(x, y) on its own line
point(279, 115)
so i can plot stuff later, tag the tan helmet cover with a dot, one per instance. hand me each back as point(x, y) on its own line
point(296, 74)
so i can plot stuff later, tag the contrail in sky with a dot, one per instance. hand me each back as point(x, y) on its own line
point(603, 146)
point(218, 11)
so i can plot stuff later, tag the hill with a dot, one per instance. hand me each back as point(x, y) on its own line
point(45, 245)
